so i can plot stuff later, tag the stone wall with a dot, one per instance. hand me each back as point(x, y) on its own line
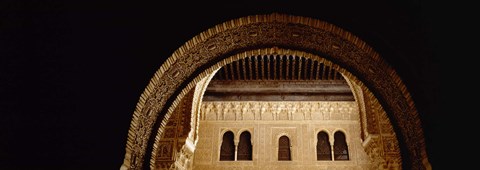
point(267, 122)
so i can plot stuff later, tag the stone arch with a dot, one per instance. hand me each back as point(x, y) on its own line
point(222, 142)
point(328, 132)
point(316, 143)
point(223, 131)
point(290, 137)
point(345, 141)
point(347, 135)
point(245, 147)
point(292, 142)
point(244, 130)
point(191, 62)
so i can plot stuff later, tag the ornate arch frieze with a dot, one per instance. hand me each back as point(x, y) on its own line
point(272, 33)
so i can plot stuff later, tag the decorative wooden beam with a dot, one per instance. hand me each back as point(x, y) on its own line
point(287, 68)
point(244, 64)
point(311, 69)
point(232, 73)
point(276, 97)
point(278, 86)
point(300, 63)
point(274, 67)
point(255, 67)
point(250, 67)
point(268, 68)
point(262, 67)
point(237, 63)
point(281, 68)
point(225, 70)
point(323, 71)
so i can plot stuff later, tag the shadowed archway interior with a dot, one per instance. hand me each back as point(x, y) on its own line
point(295, 94)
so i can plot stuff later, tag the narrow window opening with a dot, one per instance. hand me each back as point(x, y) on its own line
point(340, 147)
point(227, 150)
point(284, 149)
point(245, 147)
point(324, 151)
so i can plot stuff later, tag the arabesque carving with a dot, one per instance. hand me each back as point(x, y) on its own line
point(242, 35)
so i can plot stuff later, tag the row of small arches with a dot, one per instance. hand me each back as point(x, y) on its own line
point(324, 150)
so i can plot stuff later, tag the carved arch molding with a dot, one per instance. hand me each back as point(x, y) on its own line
point(201, 55)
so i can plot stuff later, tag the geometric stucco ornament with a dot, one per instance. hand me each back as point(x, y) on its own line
point(189, 64)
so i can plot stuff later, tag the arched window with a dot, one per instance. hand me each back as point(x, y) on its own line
point(227, 150)
point(340, 148)
point(324, 151)
point(284, 149)
point(245, 147)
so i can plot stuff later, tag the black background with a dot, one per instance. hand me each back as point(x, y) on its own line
point(71, 73)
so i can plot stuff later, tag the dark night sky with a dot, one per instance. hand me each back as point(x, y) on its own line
point(72, 73)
